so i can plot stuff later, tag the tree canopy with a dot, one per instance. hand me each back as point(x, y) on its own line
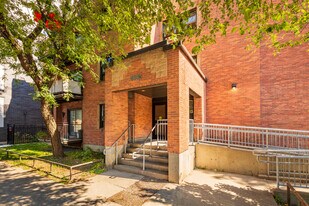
point(42, 37)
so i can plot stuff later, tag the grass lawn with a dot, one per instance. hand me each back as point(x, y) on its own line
point(43, 150)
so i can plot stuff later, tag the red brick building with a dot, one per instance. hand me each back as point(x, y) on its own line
point(159, 82)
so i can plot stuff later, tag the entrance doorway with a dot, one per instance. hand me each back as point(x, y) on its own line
point(159, 109)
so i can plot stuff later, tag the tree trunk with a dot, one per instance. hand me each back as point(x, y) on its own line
point(52, 129)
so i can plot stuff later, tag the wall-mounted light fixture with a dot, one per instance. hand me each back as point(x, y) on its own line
point(234, 86)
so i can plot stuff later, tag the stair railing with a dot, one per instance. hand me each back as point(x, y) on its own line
point(143, 145)
point(130, 131)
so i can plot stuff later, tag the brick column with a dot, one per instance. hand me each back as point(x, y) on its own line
point(178, 119)
point(116, 120)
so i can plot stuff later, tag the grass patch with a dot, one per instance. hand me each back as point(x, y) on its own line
point(44, 151)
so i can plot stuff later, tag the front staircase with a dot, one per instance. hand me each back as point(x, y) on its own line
point(156, 164)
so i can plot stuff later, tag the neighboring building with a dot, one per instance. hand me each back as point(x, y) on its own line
point(16, 103)
point(224, 84)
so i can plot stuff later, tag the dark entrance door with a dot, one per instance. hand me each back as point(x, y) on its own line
point(159, 110)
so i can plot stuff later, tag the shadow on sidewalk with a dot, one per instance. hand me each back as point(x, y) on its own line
point(22, 187)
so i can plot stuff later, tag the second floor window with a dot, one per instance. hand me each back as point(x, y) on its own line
point(102, 71)
point(191, 21)
point(192, 18)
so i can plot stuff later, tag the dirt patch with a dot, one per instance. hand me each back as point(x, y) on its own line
point(138, 193)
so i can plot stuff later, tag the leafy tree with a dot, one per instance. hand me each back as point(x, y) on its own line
point(41, 38)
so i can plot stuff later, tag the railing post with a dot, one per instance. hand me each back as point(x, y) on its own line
point(288, 194)
point(144, 157)
point(229, 137)
point(277, 171)
point(133, 133)
point(267, 138)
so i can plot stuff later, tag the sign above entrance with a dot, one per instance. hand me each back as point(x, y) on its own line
point(136, 77)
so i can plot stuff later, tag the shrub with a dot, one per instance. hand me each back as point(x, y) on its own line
point(42, 135)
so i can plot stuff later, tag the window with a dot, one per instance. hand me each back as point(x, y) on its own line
point(75, 123)
point(192, 18)
point(102, 71)
point(191, 21)
point(102, 115)
point(103, 65)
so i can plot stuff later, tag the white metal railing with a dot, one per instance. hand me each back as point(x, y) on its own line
point(148, 138)
point(161, 130)
point(250, 137)
point(126, 136)
point(286, 165)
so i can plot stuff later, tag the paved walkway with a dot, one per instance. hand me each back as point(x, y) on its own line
point(21, 187)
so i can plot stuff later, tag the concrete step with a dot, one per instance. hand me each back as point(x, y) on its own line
point(148, 172)
point(154, 146)
point(161, 153)
point(148, 165)
point(148, 158)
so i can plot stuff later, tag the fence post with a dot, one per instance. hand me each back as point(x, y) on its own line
point(7, 154)
point(51, 167)
point(288, 194)
point(33, 162)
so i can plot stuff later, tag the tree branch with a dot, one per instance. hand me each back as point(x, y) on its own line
point(26, 60)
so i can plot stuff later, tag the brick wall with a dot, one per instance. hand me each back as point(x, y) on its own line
point(285, 88)
point(185, 79)
point(143, 115)
point(93, 95)
point(225, 63)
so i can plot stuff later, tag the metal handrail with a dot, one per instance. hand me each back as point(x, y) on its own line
point(115, 144)
point(299, 198)
point(250, 127)
point(251, 137)
point(143, 145)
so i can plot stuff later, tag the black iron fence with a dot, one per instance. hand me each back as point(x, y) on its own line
point(18, 134)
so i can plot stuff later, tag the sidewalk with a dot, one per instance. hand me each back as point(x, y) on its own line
point(24, 187)
point(21, 187)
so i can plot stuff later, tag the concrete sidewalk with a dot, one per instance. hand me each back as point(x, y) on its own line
point(22, 187)
point(204, 187)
